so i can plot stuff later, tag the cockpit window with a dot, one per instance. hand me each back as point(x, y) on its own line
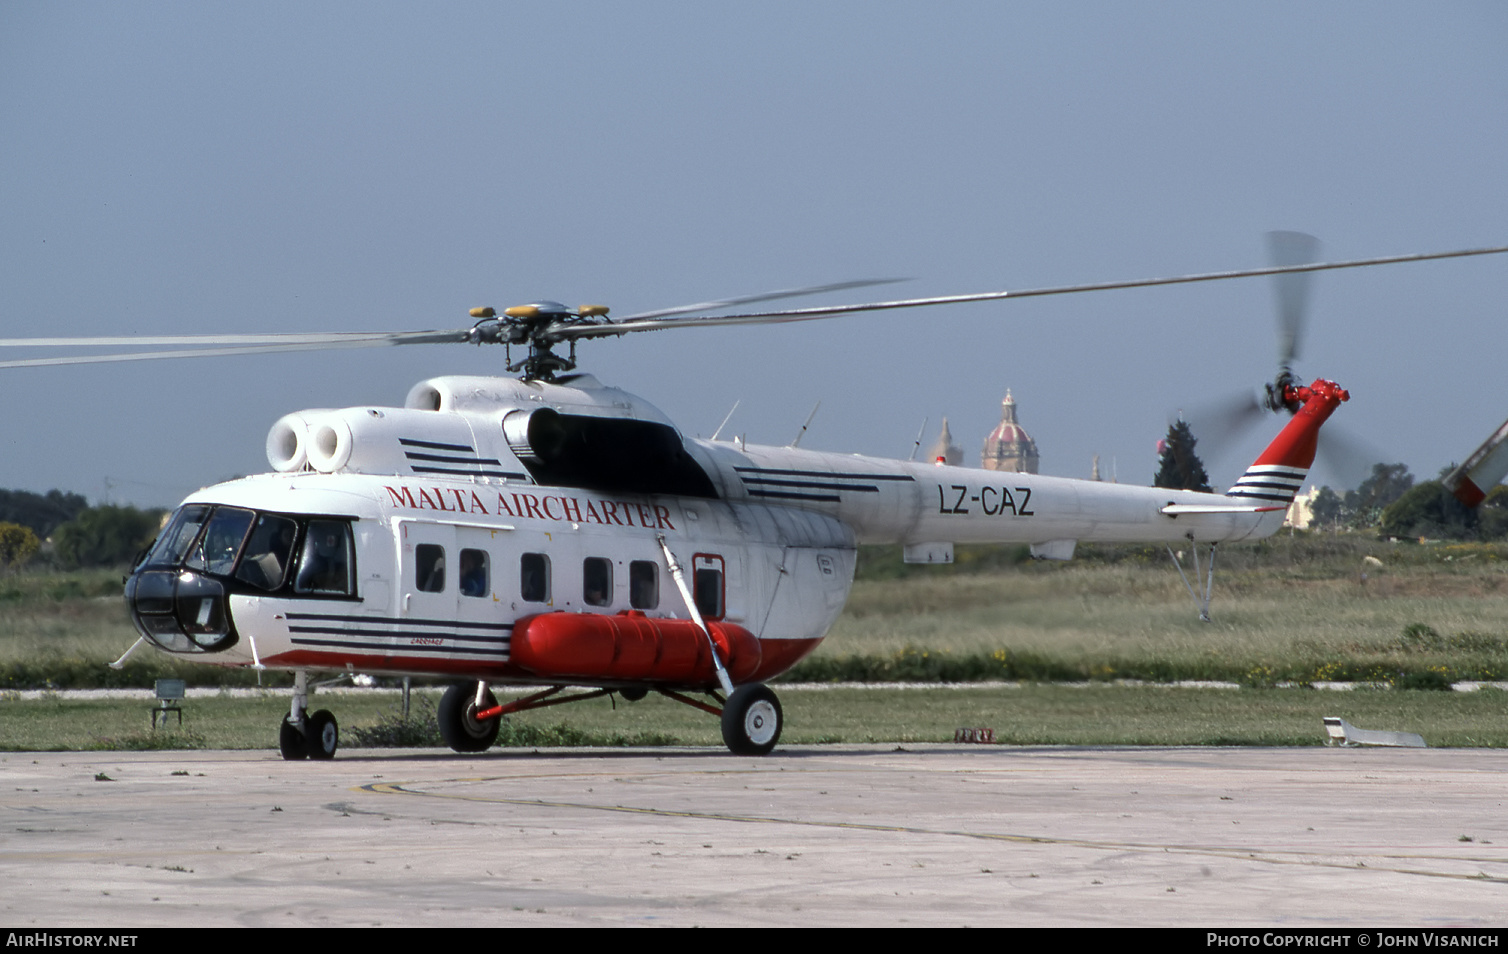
point(174, 542)
point(325, 566)
point(268, 552)
point(221, 541)
point(263, 551)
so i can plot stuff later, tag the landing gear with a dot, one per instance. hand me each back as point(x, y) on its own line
point(302, 734)
point(752, 720)
point(291, 742)
point(459, 726)
point(1204, 579)
point(321, 735)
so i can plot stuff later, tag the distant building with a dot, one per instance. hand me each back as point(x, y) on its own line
point(1009, 447)
point(1301, 511)
point(944, 450)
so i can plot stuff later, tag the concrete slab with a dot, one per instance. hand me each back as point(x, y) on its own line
point(829, 835)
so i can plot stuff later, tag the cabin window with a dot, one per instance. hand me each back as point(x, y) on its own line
point(325, 566)
point(268, 552)
point(643, 585)
point(475, 573)
point(707, 585)
point(597, 581)
point(429, 568)
point(534, 578)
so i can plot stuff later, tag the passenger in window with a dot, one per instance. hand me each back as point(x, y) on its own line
point(643, 585)
point(534, 577)
point(597, 575)
point(473, 573)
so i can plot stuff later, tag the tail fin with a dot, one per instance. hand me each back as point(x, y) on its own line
point(1277, 475)
point(1482, 470)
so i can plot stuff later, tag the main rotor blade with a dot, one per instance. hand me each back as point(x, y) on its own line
point(1222, 422)
point(248, 344)
point(564, 332)
point(1286, 249)
point(766, 296)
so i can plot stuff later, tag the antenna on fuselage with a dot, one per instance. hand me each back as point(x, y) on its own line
point(916, 445)
point(726, 419)
point(805, 426)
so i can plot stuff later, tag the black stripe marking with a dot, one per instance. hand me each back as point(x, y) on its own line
point(396, 621)
point(819, 485)
point(446, 459)
point(397, 652)
point(436, 445)
point(406, 634)
point(468, 473)
point(819, 473)
point(833, 498)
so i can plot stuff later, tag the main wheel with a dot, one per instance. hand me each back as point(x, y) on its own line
point(291, 742)
point(459, 726)
point(322, 735)
point(752, 720)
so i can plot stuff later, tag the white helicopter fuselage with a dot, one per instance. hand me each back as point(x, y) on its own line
point(511, 531)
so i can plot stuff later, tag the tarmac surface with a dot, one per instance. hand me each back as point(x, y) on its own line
point(920, 835)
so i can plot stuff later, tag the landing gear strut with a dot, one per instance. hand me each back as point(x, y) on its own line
point(303, 734)
point(470, 716)
point(1205, 580)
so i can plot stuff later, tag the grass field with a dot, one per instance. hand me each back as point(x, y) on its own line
point(1027, 715)
point(1288, 610)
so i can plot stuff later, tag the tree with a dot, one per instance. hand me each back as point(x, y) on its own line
point(1492, 514)
point(17, 545)
point(1367, 502)
point(43, 513)
point(1178, 467)
point(1429, 510)
point(102, 536)
point(1327, 508)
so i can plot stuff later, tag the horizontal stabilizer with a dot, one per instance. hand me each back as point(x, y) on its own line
point(1174, 510)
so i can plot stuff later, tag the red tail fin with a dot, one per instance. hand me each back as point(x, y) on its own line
point(1280, 470)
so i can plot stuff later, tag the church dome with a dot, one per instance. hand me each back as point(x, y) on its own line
point(1009, 447)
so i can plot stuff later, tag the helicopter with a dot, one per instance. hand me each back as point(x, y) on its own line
point(556, 533)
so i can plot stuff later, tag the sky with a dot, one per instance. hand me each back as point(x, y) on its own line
point(176, 168)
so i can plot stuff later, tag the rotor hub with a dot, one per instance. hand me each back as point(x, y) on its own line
point(540, 326)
